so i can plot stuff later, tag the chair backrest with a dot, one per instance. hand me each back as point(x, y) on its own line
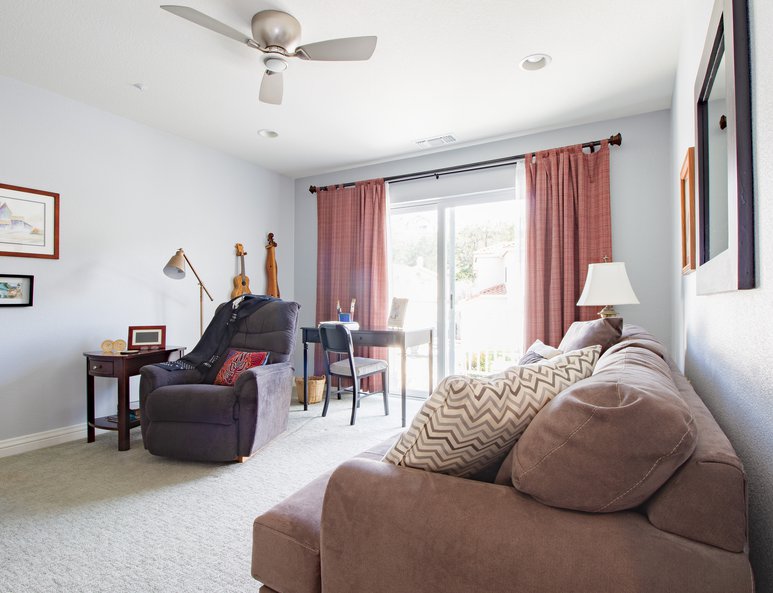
point(271, 328)
point(336, 337)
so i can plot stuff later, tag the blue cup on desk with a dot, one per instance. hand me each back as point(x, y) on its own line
point(345, 317)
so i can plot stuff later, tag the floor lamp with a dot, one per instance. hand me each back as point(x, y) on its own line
point(175, 269)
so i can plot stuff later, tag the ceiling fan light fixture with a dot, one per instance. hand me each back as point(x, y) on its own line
point(266, 133)
point(535, 62)
point(275, 64)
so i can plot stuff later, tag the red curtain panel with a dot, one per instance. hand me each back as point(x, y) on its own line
point(352, 260)
point(568, 226)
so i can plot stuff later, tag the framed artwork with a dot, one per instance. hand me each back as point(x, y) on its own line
point(16, 290)
point(29, 222)
point(147, 337)
point(687, 199)
point(397, 313)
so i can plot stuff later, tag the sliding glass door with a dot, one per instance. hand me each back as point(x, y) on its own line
point(458, 262)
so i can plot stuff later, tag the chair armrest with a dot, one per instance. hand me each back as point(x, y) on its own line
point(387, 528)
point(263, 396)
point(153, 377)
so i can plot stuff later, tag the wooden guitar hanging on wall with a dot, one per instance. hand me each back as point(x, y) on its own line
point(241, 281)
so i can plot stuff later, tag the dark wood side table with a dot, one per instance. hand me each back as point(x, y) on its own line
point(122, 367)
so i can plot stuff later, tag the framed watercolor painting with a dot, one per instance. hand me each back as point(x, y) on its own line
point(16, 290)
point(29, 222)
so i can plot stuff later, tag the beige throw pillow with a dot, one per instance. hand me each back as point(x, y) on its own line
point(468, 423)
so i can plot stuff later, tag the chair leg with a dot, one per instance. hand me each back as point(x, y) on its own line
point(338, 388)
point(385, 385)
point(327, 395)
point(356, 400)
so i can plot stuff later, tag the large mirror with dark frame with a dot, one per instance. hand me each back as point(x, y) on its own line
point(724, 174)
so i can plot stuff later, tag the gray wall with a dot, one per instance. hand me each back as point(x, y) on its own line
point(640, 192)
point(723, 340)
point(130, 196)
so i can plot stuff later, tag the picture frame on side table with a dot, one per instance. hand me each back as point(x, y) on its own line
point(147, 337)
point(29, 222)
point(16, 290)
point(687, 200)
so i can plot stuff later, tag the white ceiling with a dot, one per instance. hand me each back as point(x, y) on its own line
point(440, 66)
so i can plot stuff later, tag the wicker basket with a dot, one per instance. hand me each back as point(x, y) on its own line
point(316, 388)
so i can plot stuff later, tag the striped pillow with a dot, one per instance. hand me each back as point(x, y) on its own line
point(468, 423)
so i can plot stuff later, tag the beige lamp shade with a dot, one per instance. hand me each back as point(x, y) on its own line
point(607, 284)
point(175, 267)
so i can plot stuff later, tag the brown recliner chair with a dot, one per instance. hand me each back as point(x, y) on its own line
point(187, 417)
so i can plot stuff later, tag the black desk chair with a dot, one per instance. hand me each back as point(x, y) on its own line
point(336, 338)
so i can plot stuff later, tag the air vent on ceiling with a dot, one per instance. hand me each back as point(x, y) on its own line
point(435, 141)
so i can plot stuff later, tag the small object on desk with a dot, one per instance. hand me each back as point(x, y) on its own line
point(338, 308)
point(344, 317)
point(397, 312)
point(107, 346)
point(119, 345)
point(126, 352)
point(351, 309)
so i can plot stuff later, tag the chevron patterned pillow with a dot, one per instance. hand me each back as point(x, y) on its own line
point(468, 423)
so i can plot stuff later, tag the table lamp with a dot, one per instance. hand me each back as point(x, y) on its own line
point(607, 284)
point(175, 269)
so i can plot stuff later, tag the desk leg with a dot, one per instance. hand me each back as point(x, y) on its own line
point(431, 361)
point(123, 412)
point(305, 376)
point(90, 431)
point(403, 376)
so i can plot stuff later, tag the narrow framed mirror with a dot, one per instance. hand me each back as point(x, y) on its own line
point(724, 173)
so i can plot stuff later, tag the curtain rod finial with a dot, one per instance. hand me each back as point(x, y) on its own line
point(616, 139)
point(312, 189)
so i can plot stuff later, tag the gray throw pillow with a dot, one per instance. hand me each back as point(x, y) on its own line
point(599, 332)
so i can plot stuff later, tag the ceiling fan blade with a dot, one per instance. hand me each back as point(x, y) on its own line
point(208, 22)
point(271, 88)
point(334, 50)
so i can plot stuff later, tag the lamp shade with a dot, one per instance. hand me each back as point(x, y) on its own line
point(175, 268)
point(607, 284)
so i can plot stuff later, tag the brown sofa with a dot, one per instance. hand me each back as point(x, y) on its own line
point(372, 527)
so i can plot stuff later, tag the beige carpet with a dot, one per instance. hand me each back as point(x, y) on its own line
point(87, 518)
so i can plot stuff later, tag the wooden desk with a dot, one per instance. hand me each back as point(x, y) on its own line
point(120, 366)
point(383, 337)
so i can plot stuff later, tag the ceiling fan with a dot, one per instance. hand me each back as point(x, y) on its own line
point(277, 35)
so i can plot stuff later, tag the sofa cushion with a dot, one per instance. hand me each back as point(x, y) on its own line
point(209, 404)
point(609, 442)
point(537, 352)
point(599, 332)
point(469, 423)
point(236, 362)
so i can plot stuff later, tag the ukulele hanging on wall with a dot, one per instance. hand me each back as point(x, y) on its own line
point(241, 281)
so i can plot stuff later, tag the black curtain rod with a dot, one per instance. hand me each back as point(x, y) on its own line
point(615, 140)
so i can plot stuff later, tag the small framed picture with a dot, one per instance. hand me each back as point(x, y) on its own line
point(29, 222)
point(16, 290)
point(147, 337)
point(397, 313)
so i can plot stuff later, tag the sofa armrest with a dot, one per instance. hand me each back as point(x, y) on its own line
point(387, 528)
point(263, 395)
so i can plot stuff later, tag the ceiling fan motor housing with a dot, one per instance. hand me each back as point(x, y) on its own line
point(276, 29)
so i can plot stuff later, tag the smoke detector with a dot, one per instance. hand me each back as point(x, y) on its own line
point(436, 141)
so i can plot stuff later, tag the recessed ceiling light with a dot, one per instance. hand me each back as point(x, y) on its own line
point(267, 133)
point(535, 61)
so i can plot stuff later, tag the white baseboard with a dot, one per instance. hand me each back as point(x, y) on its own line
point(40, 440)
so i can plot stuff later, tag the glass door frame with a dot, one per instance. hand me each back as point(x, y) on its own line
point(446, 263)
